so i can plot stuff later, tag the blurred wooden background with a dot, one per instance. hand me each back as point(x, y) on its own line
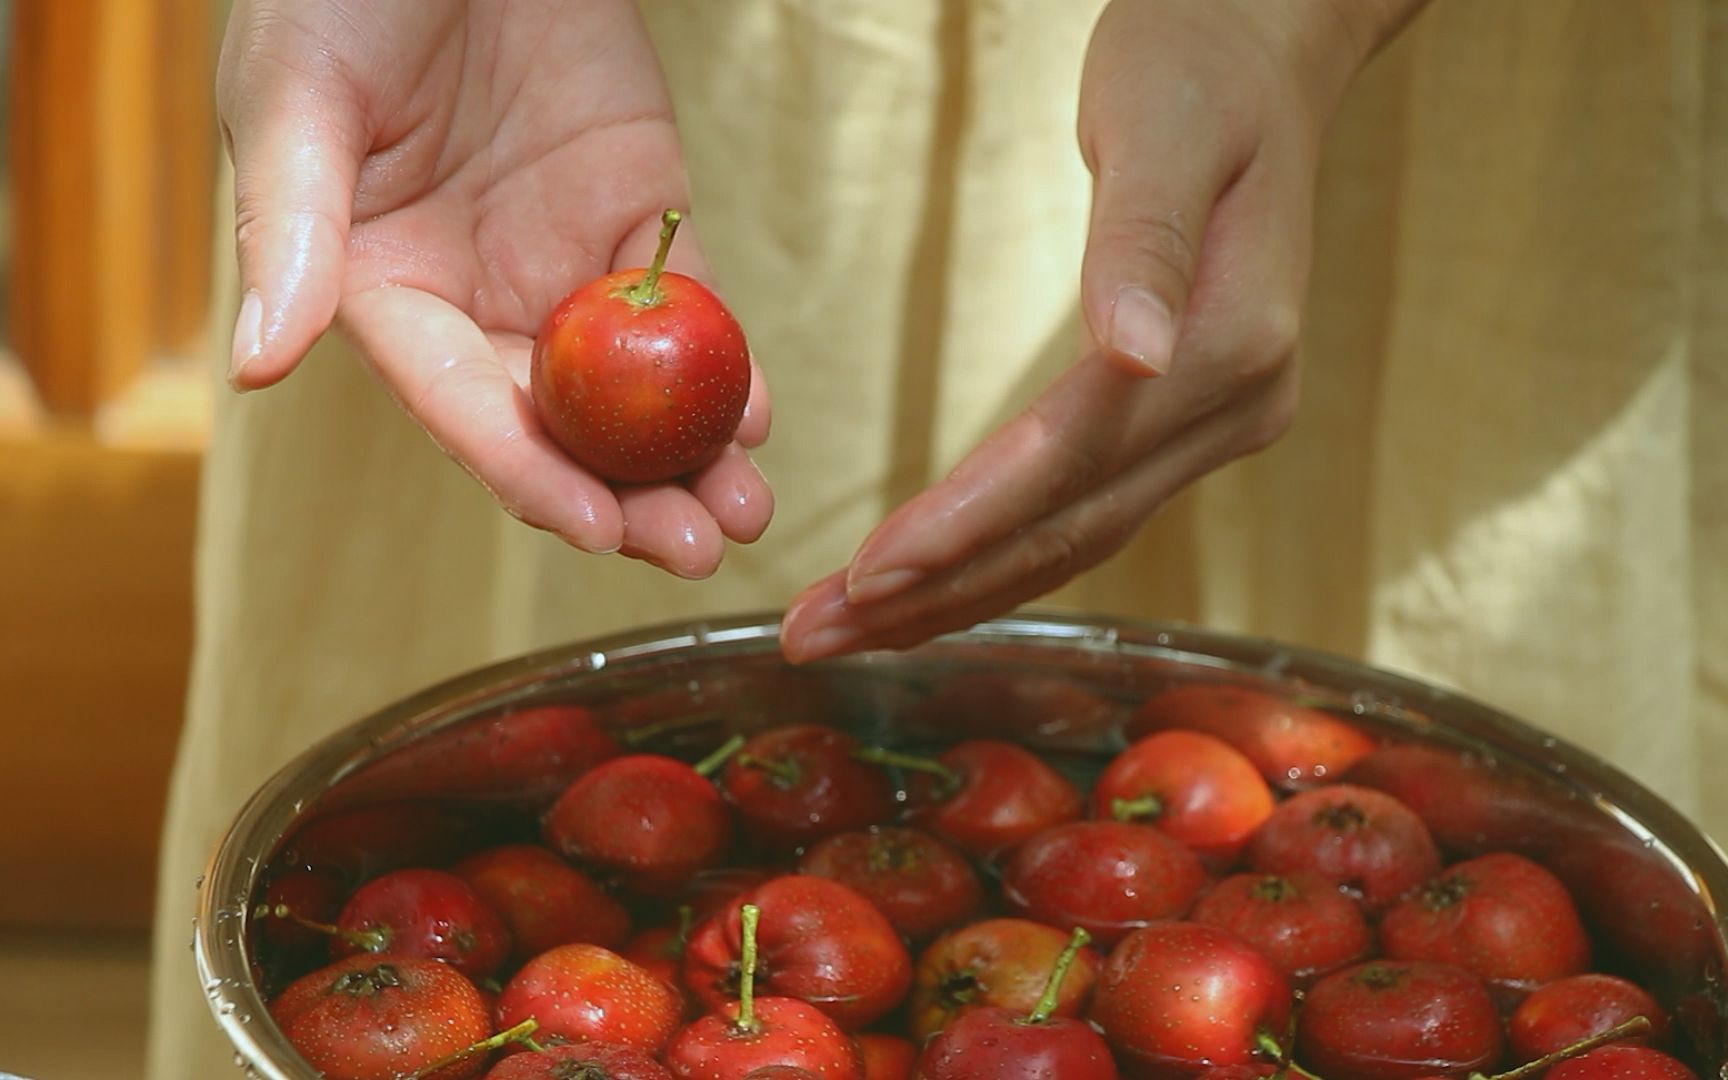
point(104, 344)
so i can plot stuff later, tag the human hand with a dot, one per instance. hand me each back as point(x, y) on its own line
point(435, 175)
point(1201, 123)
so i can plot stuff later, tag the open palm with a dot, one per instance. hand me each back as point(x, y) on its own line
point(435, 175)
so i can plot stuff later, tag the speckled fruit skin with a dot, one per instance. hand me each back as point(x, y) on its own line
point(1005, 794)
point(544, 901)
point(1502, 917)
point(426, 913)
point(1195, 788)
point(588, 994)
point(639, 393)
point(1387, 1020)
point(652, 821)
point(1001, 962)
point(1568, 1011)
point(920, 883)
point(1293, 747)
point(818, 941)
point(789, 1033)
point(581, 1061)
point(1622, 1063)
point(1364, 840)
point(1110, 877)
point(887, 1057)
point(1302, 923)
point(794, 785)
point(1176, 997)
point(370, 1016)
point(995, 1044)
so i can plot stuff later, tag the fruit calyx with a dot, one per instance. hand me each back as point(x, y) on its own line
point(1341, 817)
point(646, 293)
point(1042, 1011)
point(885, 854)
point(368, 981)
point(958, 989)
point(1274, 888)
point(784, 772)
point(1379, 976)
point(875, 755)
point(1444, 892)
point(580, 1070)
point(1147, 807)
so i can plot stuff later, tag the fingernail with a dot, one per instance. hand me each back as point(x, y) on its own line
point(880, 585)
point(248, 337)
point(1142, 330)
point(830, 642)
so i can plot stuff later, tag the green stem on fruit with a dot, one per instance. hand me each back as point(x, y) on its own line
point(647, 732)
point(722, 754)
point(750, 917)
point(784, 772)
point(520, 1033)
point(875, 755)
point(675, 946)
point(372, 941)
point(1268, 1044)
point(1053, 988)
point(1146, 806)
point(1626, 1029)
point(647, 293)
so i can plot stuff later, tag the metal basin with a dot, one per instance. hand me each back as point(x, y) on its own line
point(1646, 879)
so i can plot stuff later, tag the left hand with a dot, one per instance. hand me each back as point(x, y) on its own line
point(1201, 122)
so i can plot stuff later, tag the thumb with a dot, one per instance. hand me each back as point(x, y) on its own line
point(1161, 152)
point(297, 144)
point(1149, 215)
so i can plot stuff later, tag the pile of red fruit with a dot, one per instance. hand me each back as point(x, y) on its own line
point(1234, 894)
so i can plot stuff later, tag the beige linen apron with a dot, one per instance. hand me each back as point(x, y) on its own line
point(1510, 473)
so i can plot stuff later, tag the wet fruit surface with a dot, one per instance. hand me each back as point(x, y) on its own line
point(912, 904)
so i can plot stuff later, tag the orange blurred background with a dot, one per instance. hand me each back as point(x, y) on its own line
point(107, 178)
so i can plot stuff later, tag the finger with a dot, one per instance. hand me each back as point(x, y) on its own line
point(297, 139)
point(1160, 155)
point(1087, 426)
point(667, 526)
point(447, 375)
point(753, 429)
point(734, 492)
point(1038, 559)
point(1097, 420)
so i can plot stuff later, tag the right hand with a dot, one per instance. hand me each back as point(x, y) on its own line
point(435, 176)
